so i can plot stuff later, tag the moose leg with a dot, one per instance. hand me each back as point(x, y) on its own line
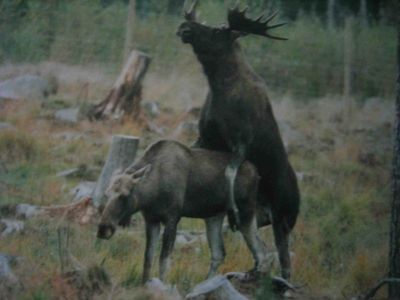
point(167, 245)
point(152, 237)
point(255, 245)
point(215, 243)
point(281, 234)
point(230, 174)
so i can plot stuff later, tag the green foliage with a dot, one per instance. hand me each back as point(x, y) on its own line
point(310, 64)
point(266, 290)
point(133, 277)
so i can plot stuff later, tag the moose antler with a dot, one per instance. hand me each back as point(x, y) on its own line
point(238, 21)
point(190, 15)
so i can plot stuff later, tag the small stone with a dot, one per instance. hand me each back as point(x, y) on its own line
point(152, 109)
point(83, 189)
point(26, 211)
point(68, 115)
point(27, 87)
point(6, 126)
point(9, 226)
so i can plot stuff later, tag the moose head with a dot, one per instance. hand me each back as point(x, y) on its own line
point(215, 40)
point(121, 203)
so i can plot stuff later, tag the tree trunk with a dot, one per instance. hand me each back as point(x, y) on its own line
point(121, 155)
point(125, 96)
point(348, 72)
point(330, 14)
point(130, 23)
point(394, 244)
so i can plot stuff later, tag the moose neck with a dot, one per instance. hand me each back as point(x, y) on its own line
point(224, 68)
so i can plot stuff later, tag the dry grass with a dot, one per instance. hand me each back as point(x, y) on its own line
point(339, 243)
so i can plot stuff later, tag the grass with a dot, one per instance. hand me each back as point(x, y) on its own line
point(309, 65)
point(339, 243)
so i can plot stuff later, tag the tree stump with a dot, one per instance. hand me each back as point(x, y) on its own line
point(126, 93)
point(121, 155)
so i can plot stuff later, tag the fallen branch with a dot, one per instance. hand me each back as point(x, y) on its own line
point(371, 293)
point(82, 212)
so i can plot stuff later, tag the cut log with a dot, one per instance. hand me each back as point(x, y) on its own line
point(121, 155)
point(126, 93)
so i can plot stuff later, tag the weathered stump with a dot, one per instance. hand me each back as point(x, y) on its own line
point(121, 154)
point(126, 93)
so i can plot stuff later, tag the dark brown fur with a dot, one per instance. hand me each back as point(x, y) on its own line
point(237, 117)
point(172, 181)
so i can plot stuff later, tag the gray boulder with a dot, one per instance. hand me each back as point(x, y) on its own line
point(6, 273)
point(27, 87)
point(68, 115)
point(82, 190)
point(9, 226)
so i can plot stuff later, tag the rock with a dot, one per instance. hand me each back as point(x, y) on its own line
point(6, 126)
point(217, 287)
point(83, 189)
point(162, 291)
point(187, 128)
point(8, 226)
point(6, 273)
point(152, 109)
point(9, 281)
point(68, 115)
point(27, 87)
point(27, 211)
point(19, 211)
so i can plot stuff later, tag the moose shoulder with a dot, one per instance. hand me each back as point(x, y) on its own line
point(237, 117)
point(172, 181)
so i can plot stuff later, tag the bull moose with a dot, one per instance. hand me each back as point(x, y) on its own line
point(237, 117)
point(172, 181)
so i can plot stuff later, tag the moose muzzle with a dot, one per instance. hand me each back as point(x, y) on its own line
point(185, 33)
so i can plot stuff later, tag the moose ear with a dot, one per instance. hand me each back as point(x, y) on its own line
point(237, 34)
point(141, 173)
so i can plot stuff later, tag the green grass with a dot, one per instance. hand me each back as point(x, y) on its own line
point(309, 65)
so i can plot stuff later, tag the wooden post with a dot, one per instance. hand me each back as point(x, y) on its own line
point(120, 156)
point(394, 243)
point(125, 96)
point(348, 58)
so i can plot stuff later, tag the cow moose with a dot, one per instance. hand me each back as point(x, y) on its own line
point(237, 117)
point(172, 181)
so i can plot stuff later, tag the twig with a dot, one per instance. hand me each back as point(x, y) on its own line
point(371, 293)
